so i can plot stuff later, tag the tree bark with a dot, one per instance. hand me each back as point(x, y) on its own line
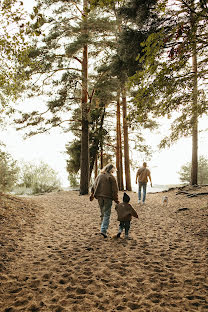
point(119, 157)
point(101, 155)
point(194, 169)
point(84, 159)
point(96, 144)
point(126, 142)
point(96, 166)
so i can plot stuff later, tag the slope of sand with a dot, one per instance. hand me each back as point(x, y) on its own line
point(52, 257)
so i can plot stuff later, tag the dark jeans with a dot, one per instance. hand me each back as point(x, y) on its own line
point(124, 225)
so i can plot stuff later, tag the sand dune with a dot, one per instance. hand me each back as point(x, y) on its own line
point(54, 259)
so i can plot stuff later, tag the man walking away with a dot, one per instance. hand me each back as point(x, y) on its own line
point(142, 176)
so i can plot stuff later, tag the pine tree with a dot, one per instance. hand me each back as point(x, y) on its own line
point(119, 156)
point(70, 32)
point(84, 160)
point(168, 82)
point(99, 130)
point(125, 63)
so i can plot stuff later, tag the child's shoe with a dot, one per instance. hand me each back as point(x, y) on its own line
point(127, 237)
point(104, 235)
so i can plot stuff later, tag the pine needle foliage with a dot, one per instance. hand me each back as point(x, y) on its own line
point(165, 85)
point(57, 53)
point(14, 50)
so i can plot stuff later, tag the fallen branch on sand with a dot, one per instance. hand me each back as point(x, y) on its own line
point(182, 209)
point(191, 194)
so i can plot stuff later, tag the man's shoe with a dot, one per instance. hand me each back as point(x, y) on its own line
point(118, 235)
point(139, 201)
point(104, 235)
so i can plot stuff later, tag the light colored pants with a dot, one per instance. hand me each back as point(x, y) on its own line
point(142, 185)
point(105, 211)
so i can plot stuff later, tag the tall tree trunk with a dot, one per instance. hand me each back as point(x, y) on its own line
point(96, 143)
point(126, 142)
point(119, 164)
point(101, 155)
point(96, 166)
point(194, 169)
point(84, 161)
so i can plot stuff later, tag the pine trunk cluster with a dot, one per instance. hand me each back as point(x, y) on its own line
point(84, 161)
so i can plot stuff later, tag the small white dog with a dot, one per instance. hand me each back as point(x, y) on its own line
point(165, 200)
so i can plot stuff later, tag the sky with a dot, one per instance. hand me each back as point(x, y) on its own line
point(50, 148)
point(28, 4)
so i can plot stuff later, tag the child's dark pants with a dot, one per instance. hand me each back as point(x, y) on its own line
point(124, 225)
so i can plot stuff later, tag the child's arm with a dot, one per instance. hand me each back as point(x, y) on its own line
point(133, 212)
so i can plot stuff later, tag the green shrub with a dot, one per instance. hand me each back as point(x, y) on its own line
point(8, 172)
point(40, 178)
point(73, 180)
point(185, 173)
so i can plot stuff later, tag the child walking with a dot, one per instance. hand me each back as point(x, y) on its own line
point(125, 212)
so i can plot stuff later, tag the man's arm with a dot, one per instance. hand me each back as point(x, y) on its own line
point(92, 194)
point(150, 179)
point(137, 175)
point(114, 189)
point(94, 186)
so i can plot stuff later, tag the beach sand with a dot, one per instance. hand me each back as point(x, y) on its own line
point(53, 258)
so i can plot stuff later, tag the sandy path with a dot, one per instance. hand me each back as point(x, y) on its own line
point(63, 264)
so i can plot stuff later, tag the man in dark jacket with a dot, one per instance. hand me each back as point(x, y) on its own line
point(105, 190)
point(125, 212)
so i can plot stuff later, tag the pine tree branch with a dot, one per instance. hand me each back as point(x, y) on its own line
point(60, 69)
point(76, 58)
point(56, 70)
point(41, 130)
point(94, 89)
point(188, 6)
point(53, 72)
point(192, 10)
point(78, 8)
point(111, 145)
